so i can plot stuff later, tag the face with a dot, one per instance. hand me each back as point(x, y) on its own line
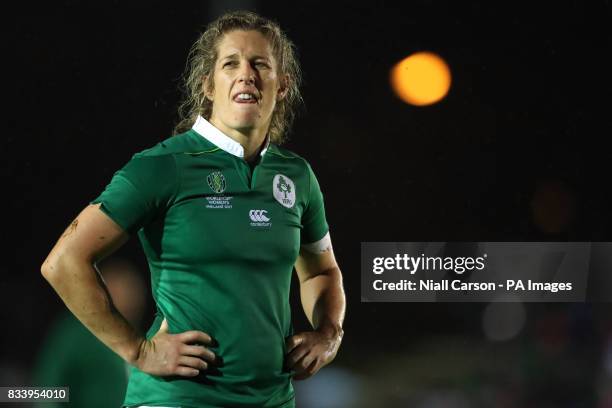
point(247, 84)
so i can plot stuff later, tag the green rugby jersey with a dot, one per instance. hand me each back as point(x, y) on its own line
point(221, 241)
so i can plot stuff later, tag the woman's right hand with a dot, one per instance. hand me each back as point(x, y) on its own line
point(181, 354)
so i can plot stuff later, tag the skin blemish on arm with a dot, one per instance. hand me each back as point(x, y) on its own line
point(71, 228)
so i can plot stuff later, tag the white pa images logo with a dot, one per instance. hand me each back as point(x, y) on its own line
point(283, 189)
point(259, 218)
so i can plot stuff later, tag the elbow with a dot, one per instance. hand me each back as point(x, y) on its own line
point(48, 269)
point(52, 267)
point(61, 263)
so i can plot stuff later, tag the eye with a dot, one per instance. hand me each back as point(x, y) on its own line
point(261, 64)
point(229, 63)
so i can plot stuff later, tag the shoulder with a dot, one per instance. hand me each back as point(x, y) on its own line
point(289, 157)
point(295, 166)
point(158, 162)
point(282, 152)
point(161, 159)
point(177, 144)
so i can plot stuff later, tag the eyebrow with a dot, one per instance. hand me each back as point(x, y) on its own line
point(234, 55)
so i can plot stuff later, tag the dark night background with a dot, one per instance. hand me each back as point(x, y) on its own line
point(517, 151)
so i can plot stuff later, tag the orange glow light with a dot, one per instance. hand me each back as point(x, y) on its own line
point(420, 79)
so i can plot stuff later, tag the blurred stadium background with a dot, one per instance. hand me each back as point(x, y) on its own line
point(516, 151)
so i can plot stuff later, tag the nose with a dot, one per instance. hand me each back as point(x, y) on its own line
point(246, 74)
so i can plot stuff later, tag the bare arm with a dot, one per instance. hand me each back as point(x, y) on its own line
point(324, 303)
point(321, 289)
point(69, 268)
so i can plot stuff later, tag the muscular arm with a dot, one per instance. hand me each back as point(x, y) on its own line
point(70, 270)
point(324, 303)
point(321, 289)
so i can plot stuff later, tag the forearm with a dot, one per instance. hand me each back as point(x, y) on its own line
point(84, 293)
point(324, 301)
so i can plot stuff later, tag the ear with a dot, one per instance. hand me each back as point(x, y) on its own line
point(207, 87)
point(283, 89)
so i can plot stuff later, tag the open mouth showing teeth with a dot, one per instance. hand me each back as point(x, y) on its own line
point(245, 98)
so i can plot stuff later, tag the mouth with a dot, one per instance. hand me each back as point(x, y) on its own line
point(246, 98)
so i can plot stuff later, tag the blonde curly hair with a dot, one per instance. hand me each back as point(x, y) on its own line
point(203, 56)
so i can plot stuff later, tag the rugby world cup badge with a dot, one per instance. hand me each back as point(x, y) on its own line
point(283, 189)
point(216, 182)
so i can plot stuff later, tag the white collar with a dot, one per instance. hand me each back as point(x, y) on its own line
point(209, 132)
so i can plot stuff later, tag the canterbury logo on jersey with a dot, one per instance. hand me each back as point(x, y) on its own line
point(258, 216)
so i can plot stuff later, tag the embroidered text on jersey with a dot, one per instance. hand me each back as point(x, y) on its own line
point(259, 218)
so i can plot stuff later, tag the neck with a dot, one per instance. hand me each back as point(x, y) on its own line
point(251, 139)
